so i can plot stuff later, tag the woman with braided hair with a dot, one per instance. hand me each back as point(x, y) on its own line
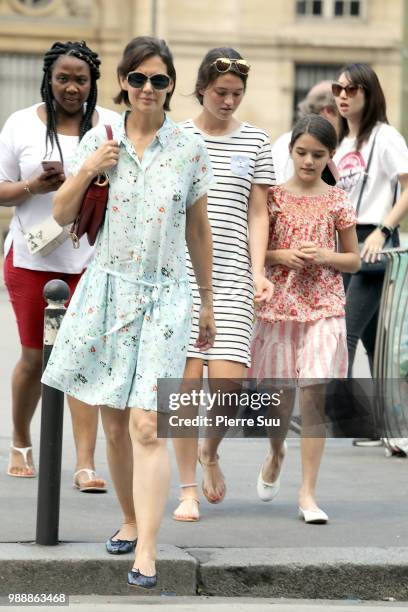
point(51, 131)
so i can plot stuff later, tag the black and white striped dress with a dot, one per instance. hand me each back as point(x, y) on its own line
point(238, 159)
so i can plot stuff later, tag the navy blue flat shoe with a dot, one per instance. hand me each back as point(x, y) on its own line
point(120, 547)
point(136, 579)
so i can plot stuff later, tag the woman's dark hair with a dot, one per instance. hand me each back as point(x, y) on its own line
point(84, 53)
point(137, 51)
point(318, 127)
point(374, 107)
point(207, 72)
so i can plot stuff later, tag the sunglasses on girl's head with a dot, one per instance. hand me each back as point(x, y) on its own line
point(223, 64)
point(350, 90)
point(157, 81)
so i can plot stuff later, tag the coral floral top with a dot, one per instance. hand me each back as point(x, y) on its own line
point(316, 291)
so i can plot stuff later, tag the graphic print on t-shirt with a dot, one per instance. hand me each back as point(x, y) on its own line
point(351, 167)
point(240, 164)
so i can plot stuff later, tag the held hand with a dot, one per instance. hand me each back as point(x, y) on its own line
point(207, 328)
point(104, 158)
point(263, 288)
point(46, 182)
point(372, 244)
point(320, 255)
point(295, 259)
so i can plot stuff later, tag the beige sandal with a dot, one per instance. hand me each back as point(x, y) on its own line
point(184, 498)
point(94, 484)
point(187, 518)
point(27, 471)
point(209, 465)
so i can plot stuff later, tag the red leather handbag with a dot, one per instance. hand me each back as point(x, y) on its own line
point(91, 215)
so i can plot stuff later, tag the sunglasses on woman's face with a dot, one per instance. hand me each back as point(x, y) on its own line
point(224, 64)
point(139, 80)
point(349, 90)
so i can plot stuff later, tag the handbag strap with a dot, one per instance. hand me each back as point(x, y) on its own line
point(366, 174)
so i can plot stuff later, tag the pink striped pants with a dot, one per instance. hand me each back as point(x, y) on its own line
point(301, 351)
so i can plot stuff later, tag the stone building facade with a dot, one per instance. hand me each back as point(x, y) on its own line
point(290, 44)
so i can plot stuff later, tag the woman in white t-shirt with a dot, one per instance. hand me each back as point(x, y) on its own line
point(364, 131)
point(46, 131)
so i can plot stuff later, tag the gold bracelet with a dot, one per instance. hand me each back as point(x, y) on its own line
point(26, 188)
point(210, 289)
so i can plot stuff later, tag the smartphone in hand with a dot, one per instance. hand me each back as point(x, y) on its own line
point(54, 167)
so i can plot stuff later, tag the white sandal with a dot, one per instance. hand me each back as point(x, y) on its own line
point(95, 484)
point(31, 469)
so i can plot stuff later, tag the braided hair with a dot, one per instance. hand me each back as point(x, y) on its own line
point(82, 52)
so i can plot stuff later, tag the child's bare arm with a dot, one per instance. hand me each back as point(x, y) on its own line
point(347, 261)
point(291, 258)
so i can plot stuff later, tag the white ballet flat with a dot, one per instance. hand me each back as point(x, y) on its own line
point(267, 491)
point(314, 517)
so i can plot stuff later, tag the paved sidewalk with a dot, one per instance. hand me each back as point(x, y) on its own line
point(240, 547)
point(215, 604)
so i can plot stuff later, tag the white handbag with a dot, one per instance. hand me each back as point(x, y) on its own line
point(45, 237)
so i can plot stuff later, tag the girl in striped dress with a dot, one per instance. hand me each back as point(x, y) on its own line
point(242, 163)
point(301, 334)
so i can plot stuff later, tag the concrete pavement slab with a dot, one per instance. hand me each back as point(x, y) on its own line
point(86, 569)
point(364, 494)
point(334, 573)
point(339, 573)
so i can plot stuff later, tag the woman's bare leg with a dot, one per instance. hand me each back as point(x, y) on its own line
point(273, 461)
point(25, 393)
point(186, 450)
point(120, 458)
point(151, 481)
point(85, 428)
point(213, 478)
point(312, 444)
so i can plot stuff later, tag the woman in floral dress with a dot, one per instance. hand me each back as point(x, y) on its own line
point(129, 321)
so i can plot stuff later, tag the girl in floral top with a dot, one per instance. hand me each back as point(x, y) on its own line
point(300, 334)
point(129, 321)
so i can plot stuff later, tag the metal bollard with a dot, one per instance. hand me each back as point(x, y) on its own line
point(56, 293)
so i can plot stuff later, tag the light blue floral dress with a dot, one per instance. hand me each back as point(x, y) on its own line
point(129, 321)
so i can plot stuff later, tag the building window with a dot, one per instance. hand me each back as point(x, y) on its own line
point(312, 8)
point(307, 75)
point(329, 9)
point(20, 77)
point(347, 8)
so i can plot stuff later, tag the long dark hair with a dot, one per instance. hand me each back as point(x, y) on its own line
point(375, 108)
point(82, 52)
point(318, 127)
point(321, 129)
point(137, 51)
point(207, 73)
